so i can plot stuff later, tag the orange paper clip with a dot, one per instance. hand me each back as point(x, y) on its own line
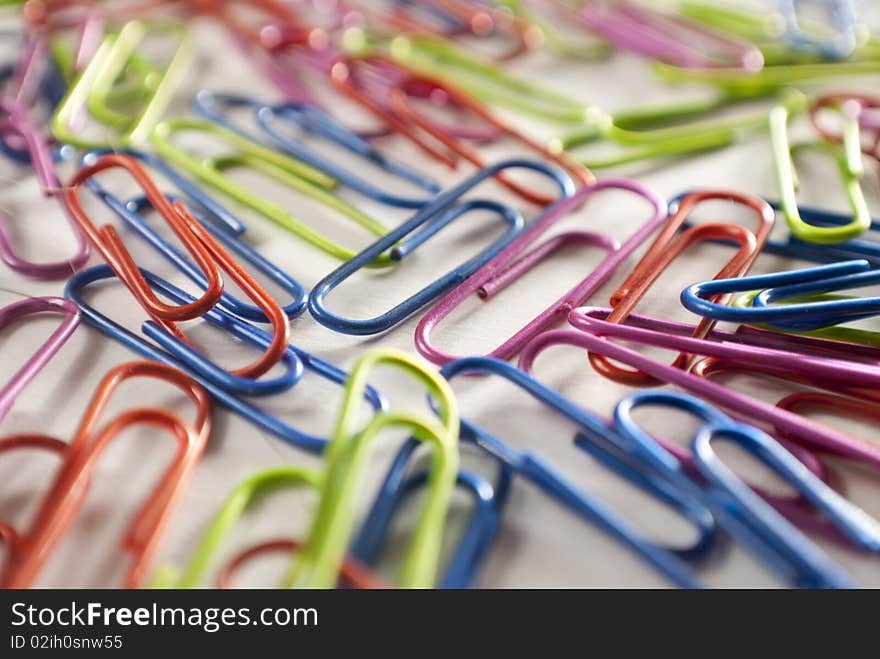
point(207, 253)
point(63, 501)
point(668, 245)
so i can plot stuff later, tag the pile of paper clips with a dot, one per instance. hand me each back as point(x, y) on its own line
point(87, 90)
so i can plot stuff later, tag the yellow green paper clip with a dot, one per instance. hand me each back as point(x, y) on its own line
point(849, 161)
point(283, 169)
point(96, 88)
point(347, 459)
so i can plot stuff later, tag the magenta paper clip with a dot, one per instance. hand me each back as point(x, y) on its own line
point(672, 39)
point(595, 334)
point(515, 261)
point(32, 307)
point(16, 122)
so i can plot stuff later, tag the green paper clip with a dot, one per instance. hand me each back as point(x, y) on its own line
point(96, 88)
point(319, 561)
point(849, 161)
point(672, 130)
point(283, 169)
point(236, 504)
point(435, 57)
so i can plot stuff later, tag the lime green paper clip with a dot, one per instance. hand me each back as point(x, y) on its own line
point(671, 130)
point(117, 58)
point(267, 162)
point(236, 504)
point(849, 161)
point(583, 47)
point(319, 562)
point(491, 84)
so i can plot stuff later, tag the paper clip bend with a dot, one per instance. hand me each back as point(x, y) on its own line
point(843, 19)
point(96, 81)
point(32, 307)
point(64, 498)
point(214, 218)
point(525, 252)
point(864, 106)
point(318, 563)
point(533, 467)
point(169, 353)
point(476, 540)
point(849, 162)
point(285, 170)
point(318, 123)
point(743, 514)
point(205, 250)
point(410, 235)
point(667, 246)
point(794, 284)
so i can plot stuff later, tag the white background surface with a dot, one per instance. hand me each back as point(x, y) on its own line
point(538, 544)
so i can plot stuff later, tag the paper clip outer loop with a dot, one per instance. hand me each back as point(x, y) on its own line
point(64, 498)
point(32, 307)
point(206, 251)
point(536, 469)
point(321, 557)
point(239, 405)
point(667, 246)
point(515, 261)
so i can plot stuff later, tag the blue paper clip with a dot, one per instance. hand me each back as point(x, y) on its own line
point(317, 123)
point(472, 549)
point(533, 467)
point(739, 511)
point(426, 222)
point(801, 316)
point(183, 360)
point(842, 17)
point(218, 221)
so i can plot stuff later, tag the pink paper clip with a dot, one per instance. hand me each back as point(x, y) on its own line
point(523, 254)
point(32, 307)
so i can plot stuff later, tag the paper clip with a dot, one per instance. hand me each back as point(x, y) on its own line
point(843, 19)
point(208, 254)
point(390, 102)
point(667, 246)
point(849, 162)
point(594, 334)
point(317, 123)
point(32, 307)
point(237, 504)
point(524, 253)
point(17, 123)
point(668, 37)
point(743, 514)
point(791, 285)
point(289, 172)
point(531, 466)
point(476, 540)
point(215, 219)
point(426, 222)
point(65, 497)
point(175, 353)
point(94, 85)
point(317, 565)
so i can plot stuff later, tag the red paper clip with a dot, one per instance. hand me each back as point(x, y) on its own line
point(208, 254)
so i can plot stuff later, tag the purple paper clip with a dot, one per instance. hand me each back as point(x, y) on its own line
point(595, 333)
point(672, 39)
point(32, 307)
point(515, 261)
